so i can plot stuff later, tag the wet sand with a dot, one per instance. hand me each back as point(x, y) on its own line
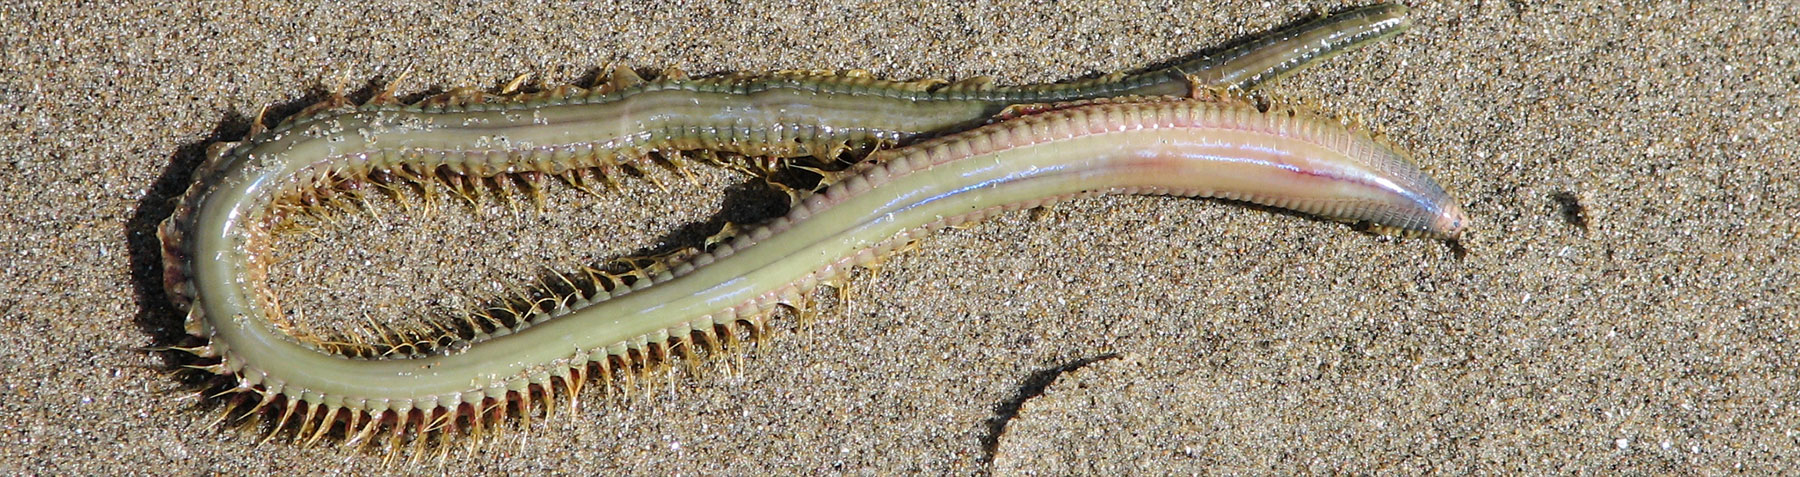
point(1626, 302)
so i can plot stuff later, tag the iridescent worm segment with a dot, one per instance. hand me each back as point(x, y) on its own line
point(1118, 134)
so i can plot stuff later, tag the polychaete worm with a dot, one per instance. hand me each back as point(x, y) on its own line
point(1040, 143)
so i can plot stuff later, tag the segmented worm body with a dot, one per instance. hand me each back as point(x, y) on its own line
point(213, 244)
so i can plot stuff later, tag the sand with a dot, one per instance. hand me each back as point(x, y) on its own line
point(1625, 302)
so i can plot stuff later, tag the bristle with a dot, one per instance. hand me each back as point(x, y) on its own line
point(623, 77)
point(258, 125)
point(360, 428)
point(325, 424)
point(306, 423)
point(386, 96)
point(420, 434)
point(225, 413)
point(573, 383)
point(547, 395)
point(287, 413)
point(396, 433)
point(512, 87)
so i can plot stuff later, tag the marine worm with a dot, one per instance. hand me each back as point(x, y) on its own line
point(214, 243)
